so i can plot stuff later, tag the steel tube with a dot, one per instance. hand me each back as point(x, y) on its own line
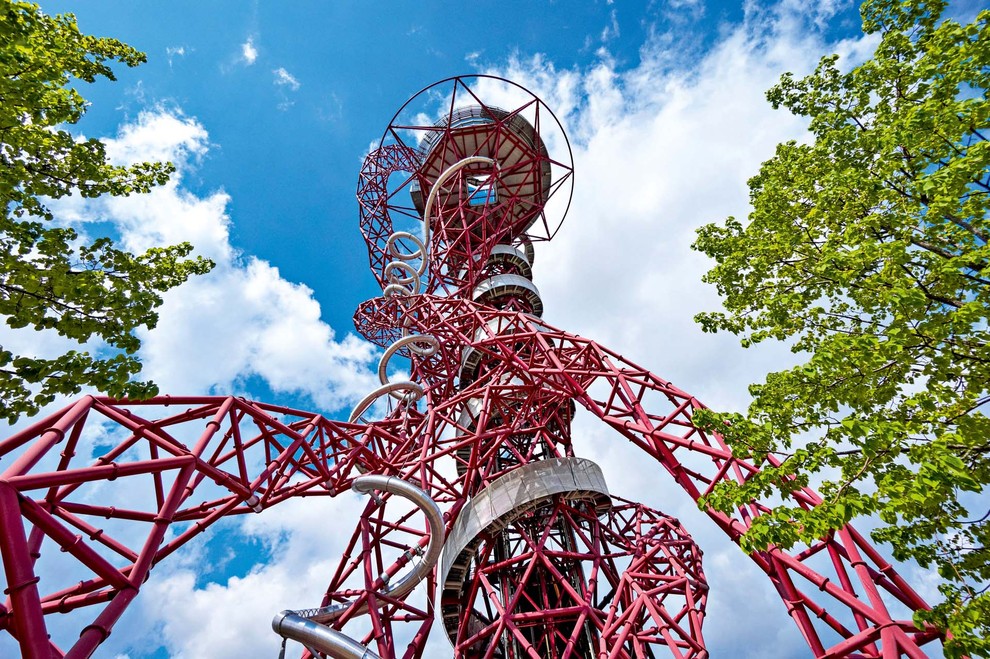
point(415, 393)
point(428, 348)
point(72, 544)
point(22, 583)
point(306, 627)
point(447, 173)
point(49, 438)
point(288, 624)
point(98, 472)
point(399, 487)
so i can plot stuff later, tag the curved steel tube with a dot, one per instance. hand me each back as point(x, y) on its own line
point(399, 284)
point(404, 280)
point(319, 637)
point(305, 626)
point(447, 173)
point(423, 345)
point(415, 392)
point(399, 487)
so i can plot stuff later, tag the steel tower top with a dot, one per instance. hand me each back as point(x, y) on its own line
point(484, 172)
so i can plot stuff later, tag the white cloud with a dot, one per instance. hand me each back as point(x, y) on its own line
point(233, 619)
point(285, 79)
point(611, 31)
point(286, 83)
point(249, 53)
point(681, 11)
point(242, 319)
point(660, 150)
point(160, 135)
point(174, 51)
point(821, 12)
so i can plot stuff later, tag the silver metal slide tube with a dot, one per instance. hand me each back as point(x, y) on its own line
point(305, 626)
point(319, 637)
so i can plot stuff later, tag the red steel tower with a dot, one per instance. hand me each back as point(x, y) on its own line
point(483, 525)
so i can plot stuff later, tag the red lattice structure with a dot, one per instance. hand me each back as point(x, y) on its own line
point(484, 527)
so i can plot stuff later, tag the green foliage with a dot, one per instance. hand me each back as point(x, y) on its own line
point(50, 279)
point(867, 249)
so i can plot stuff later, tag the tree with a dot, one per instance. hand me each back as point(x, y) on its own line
point(867, 250)
point(50, 279)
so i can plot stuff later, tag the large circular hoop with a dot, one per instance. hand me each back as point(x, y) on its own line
point(486, 118)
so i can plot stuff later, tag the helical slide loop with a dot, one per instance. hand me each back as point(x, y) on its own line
point(443, 178)
point(308, 626)
point(405, 279)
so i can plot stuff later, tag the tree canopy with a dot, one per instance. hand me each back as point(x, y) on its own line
point(867, 249)
point(50, 278)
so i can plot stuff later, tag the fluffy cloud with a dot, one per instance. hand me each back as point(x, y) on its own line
point(249, 54)
point(232, 619)
point(285, 79)
point(243, 319)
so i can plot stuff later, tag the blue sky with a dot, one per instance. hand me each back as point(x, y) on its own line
point(267, 109)
point(293, 93)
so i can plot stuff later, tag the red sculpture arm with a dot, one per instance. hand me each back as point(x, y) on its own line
point(155, 470)
point(843, 595)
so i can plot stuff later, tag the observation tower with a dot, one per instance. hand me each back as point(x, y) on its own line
point(483, 526)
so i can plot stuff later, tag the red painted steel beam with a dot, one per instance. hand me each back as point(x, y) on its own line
point(22, 583)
